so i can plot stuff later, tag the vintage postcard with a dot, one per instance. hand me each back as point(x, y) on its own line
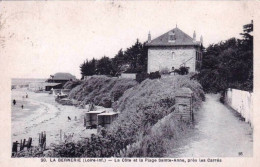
point(127, 83)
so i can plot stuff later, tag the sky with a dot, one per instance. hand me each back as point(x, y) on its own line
point(42, 38)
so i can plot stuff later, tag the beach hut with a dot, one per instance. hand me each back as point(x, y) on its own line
point(90, 119)
point(106, 118)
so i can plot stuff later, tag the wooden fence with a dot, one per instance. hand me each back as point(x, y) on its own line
point(17, 147)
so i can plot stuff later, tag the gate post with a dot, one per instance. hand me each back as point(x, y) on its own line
point(184, 105)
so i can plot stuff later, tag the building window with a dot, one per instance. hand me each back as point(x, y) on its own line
point(173, 55)
point(172, 37)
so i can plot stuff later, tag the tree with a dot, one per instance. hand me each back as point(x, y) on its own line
point(118, 63)
point(133, 60)
point(136, 56)
point(229, 64)
point(104, 66)
point(247, 41)
point(88, 68)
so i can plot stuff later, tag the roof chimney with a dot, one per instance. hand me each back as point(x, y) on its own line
point(201, 40)
point(194, 36)
point(149, 37)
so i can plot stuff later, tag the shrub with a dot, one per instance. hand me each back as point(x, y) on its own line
point(141, 77)
point(164, 71)
point(101, 90)
point(222, 97)
point(162, 136)
point(154, 75)
point(106, 102)
point(71, 84)
point(144, 105)
point(182, 71)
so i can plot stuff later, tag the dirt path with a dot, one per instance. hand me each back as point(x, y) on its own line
point(218, 133)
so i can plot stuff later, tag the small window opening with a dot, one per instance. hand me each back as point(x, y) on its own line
point(172, 37)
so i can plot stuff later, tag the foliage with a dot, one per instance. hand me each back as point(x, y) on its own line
point(104, 66)
point(101, 90)
point(132, 60)
point(155, 75)
point(164, 71)
point(182, 70)
point(141, 77)
point(71, 84)
point(144, 105)
point(162, 136)
point(229, 64)
point(88, 68)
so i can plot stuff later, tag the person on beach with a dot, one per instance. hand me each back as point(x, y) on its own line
point(69, 119)
point(14, 102)
point(26, 95)
point(22, 106)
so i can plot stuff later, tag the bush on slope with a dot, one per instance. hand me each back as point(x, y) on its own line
point(101, 90)
point(144, 105)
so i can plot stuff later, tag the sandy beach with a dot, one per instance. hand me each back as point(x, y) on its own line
point(42, 113)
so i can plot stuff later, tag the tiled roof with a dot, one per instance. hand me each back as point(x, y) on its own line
point(181, 38)
point(63, 76)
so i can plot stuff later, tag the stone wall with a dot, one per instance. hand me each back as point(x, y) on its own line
point(163, 57)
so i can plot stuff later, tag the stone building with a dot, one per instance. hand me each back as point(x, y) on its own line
point(174, 49)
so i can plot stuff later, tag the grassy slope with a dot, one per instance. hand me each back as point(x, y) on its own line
point(143, 106)
point(72, 84)
point(101, 90)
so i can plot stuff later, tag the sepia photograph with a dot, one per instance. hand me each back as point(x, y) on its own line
point(129, 80)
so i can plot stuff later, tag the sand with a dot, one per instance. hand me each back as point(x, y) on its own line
point(42, 113)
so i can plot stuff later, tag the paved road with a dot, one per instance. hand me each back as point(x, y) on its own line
point(218, 133)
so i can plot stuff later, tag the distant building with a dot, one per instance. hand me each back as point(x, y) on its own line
point(61, 78)
point(174, 49)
